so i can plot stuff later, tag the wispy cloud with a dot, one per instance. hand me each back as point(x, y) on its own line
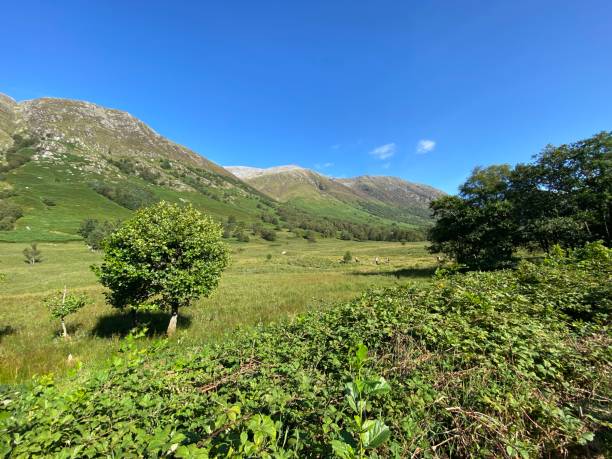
point(425, 146)
point(384, 151)
point(335, 147)
point(323, 166)
point(386, 165)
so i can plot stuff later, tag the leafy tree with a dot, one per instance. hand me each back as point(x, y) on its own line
point(165, 257)
point(345, 235)
point(242, 236)
point(563, 197)
point(62, 304)
point(94, 231)
point(32, 254)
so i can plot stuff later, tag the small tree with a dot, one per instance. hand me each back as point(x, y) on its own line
point(348, 257)
point(62, 304)
point(165, 257)
point(32, 254)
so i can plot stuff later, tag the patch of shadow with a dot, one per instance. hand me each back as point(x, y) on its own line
point(411, 273)
point(7, 330)
point(120, 324)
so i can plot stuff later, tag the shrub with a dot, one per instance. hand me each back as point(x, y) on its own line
point(32, 254)
point(493, 364)
point(268, 234)
point(94, 232)
point(9, 214)
point(348, 257)
point(165, 257)
point(242, 237)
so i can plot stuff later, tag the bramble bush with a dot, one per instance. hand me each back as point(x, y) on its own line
point(513, 363)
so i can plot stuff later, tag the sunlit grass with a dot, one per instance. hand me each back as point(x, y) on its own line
point(253, 290)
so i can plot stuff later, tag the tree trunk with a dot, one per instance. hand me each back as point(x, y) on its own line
point(64, 331)
point(172, 325)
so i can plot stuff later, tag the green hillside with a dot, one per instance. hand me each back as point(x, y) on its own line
point(62, 161)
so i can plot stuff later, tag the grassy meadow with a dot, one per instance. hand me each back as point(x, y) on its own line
point(262, 284)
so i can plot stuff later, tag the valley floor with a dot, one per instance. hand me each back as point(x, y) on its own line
point(256, 288)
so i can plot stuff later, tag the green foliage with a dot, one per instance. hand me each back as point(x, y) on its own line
point(19, 153)
point(366, 433)
point(564, 197)
point(348, 257)
point(62, 304)
point(165, 257)
point(32, 254)
point(483, 364)
point(241, 236)
point(9, 214)
point(268, 234)
point(125, 194)
point(94, 232)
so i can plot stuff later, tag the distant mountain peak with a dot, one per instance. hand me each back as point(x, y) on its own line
point(247, 172)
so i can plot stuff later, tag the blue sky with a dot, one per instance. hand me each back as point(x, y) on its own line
point(422, 90)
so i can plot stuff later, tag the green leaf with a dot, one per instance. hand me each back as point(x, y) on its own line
point(343, 450)
point(376, 433)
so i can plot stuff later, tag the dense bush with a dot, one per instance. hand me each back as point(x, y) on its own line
point(268, 234)
point(125, 194)
point(9, 214)
point(19, 153)
point(498, 364)
point(94, 231)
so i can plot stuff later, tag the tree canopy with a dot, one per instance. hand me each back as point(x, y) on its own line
point(563, 197)
point(164, 257)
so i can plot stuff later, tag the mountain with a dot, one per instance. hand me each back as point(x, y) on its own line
point(63, 161)
point(385, 197)
point(394, 191)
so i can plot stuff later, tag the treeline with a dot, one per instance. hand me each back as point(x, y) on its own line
point(328, 227)
point(563, 197)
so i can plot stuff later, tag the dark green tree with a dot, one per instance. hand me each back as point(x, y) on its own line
point(164, 258)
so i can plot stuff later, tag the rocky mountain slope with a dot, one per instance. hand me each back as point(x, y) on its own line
point(62, 161)
point(389, 197)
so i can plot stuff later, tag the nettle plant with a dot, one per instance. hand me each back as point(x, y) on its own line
point(367, 434)
point(62, 304)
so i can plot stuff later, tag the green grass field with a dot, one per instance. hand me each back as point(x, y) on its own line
point(253, 290)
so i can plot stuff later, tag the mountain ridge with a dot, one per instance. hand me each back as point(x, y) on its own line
point(291, 182)
point(63, 160)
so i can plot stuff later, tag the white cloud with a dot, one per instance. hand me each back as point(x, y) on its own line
point(384, 151)
point(386, 165)
point(323, 166)
point(425, 146)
